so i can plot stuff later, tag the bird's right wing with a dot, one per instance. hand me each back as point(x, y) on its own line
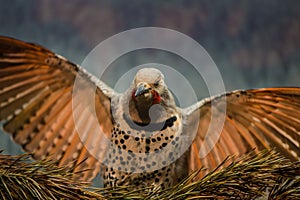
point(46, 114)
point(236, 122)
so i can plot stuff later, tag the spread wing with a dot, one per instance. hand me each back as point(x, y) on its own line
point(44, 111)
point(258, 118)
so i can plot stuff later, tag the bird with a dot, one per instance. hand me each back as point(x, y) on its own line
point(138, 137)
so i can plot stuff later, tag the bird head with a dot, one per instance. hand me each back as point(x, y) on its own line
point(149, 86)
point(149, 89)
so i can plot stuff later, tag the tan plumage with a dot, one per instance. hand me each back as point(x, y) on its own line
point(36, 90)
point(36, 103)
point(257, 118)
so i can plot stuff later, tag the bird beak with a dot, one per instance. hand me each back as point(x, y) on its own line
point(141, 90)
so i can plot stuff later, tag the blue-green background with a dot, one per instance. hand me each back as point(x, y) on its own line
point(255, 43)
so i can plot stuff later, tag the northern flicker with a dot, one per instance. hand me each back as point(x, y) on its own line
point(140, 136)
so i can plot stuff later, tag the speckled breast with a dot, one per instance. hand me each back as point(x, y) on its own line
point(143, 158)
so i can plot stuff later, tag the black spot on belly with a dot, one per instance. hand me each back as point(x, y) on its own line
point(147, 149)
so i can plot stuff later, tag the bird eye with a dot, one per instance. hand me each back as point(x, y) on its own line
point(156, 84)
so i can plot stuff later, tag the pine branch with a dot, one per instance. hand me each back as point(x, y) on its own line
point(20, 178)
point(265, 175)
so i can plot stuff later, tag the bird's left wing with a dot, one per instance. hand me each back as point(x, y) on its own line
point(236, 122)
point(46, 114)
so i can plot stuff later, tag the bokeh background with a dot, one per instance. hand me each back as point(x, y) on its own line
point(254, 43)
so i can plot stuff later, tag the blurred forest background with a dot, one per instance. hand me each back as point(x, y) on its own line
point(254, 43)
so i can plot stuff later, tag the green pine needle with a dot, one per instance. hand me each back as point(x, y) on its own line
point(265, 175)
